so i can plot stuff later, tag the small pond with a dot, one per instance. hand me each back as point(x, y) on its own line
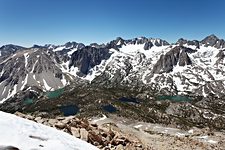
point(175, 98)
point(109, 108)
point(129, 100)
point(69, 110)
point(55, 94)
point(28, 101)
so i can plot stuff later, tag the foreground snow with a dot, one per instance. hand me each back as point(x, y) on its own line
point(27, 135)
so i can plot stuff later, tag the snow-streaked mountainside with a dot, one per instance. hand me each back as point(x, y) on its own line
point(186, 67)
point(26, 135)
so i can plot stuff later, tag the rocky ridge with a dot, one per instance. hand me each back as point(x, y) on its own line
point(103, 138)
point(107, 133)
point(184, 68)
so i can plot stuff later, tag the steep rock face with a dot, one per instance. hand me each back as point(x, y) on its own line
point(221, 54)
point(177, 55)
point(87, 58)
point(148, 45)
point(213, 41)
point(116, 44)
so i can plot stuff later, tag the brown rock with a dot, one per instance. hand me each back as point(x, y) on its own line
point(111, 133)
point(84, 134)
point(65, 121)
point(93, 137)
point(39, 120)
point(52, 121)
point(120, 147)
point(84, 125)
point(20, 114)
point(75, 132)
point(94, 125)
point(60, 125)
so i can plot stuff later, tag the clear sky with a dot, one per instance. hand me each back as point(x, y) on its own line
point(28, 22)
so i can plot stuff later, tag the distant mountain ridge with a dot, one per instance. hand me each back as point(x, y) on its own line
point(186, 67)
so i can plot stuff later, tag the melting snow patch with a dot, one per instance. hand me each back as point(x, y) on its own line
point(64, 82)
point(138, 126)
point(59, 48)
point(34, 66)
point(212, 141)
point(72, 51)
point(203, 137)
point(48, 88)
point(191, 131)
point(26, 61)
point(180, 134)
point(100, 119)
point(24, 82)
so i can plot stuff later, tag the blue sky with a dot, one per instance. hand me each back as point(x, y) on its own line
point(28, 22)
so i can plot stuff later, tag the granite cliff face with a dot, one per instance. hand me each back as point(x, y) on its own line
point(87, 58)
point(176, 56)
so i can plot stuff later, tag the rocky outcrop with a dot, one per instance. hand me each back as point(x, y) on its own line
point(106, 138)
point(87, 58)
point(132, 135)
point(221, 54)
point(176, 56)
point(148, 45)
point(182, 42)
point(213, 41)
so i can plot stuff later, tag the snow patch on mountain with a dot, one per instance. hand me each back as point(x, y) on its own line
point(47, 87)
point(26, 57)
point(59, 48)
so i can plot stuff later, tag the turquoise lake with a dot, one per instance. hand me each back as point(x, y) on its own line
point(175, 98)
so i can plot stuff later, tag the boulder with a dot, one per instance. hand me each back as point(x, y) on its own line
point(60, 125)
point(94, 138)
point(39, 120)
point(52, 121)
point(83, 134)
point(75, 132)
point(120, 147)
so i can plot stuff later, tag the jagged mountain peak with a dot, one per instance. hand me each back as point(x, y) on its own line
point(183, 42)
point(214, 41)
point(211, 36)
point(210, 39)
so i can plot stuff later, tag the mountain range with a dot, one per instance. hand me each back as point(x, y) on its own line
point(187, 67)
